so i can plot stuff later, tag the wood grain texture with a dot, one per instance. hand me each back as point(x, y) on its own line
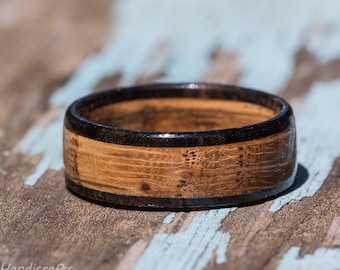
point(47, 225)
point(180, 172)
point(38, 54)
point(257, 163)
point(180, 114)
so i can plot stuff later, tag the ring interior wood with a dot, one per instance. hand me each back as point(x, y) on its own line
point(179, 146)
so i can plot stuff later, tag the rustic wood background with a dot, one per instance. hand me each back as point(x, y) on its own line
point(52, 52)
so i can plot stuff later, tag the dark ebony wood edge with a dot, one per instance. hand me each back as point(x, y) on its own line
point(176, 204)
point(77, 122)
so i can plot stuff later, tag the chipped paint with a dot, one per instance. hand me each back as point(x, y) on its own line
point(169, 218)
point(265, 42)
point(189, 45)
point(322, 258)
point(46, 141)
point(318, 139)
point(189, 249)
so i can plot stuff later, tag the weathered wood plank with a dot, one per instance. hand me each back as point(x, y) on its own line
point(41, 45)
point(45, 224)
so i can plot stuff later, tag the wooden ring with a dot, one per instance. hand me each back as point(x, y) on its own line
point(179, 146)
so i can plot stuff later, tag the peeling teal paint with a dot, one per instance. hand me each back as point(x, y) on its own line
point(169, 218)
point(264, 34)
point(189, 249)
point(322, 258)
point(318, 139)
point(192, 30)
point(46, 141)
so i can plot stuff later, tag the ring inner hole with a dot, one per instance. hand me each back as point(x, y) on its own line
point(180, 114)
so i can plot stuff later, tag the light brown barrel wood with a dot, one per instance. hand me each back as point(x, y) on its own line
point(183, 172)
point(180, 114)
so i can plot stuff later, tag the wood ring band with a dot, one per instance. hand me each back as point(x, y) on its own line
point(179, 146)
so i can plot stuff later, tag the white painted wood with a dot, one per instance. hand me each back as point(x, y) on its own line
point(318, 139)
point(192, 248)
point(265, 35)
point(322, 258)
point(169, 218)
point(192, 30)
